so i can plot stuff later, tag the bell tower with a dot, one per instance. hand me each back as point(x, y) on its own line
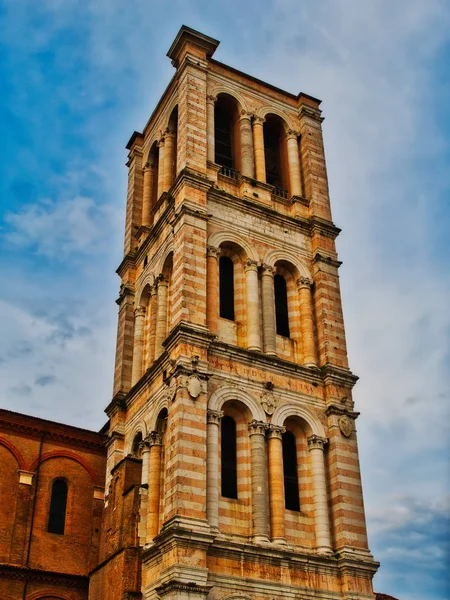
point(232, 455)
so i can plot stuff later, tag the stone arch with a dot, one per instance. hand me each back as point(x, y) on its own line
point(63, 454)
point(220, 237)
point(161, 404)
point(148, 280)
point(288, 120)
point(165, 119)
point(14, 451)
point(166, 250)
point(273, 256)
point(139, 427)
point(50, 595)
point(225, 393)
point(218, 89)
point(292, 410)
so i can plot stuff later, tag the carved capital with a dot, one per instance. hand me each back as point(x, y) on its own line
point(268, 270)
point(154, 438)
point(245, 114)
point(256, 427)
point(162, 280)
point(210, 99)
point(258, 120)
point(275, 431)
point(148, 165)
point(250, 265)
point(139, 311)
point(304, 282)
point(315, 442)
point(169, 133)
point(144, 446)
point(212, 251)
point(292, 134)
point(214, 416)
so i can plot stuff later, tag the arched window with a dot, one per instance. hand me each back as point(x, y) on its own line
point(274, 152)
point(226, 270)
point(291, 493)
point(229, 460)
point(58, 504)
point(281, 306)
point(136, 450)
point(223, 133)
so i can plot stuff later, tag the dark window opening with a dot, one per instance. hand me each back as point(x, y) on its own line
point(226, 284)
point(272, 155)
point(229, 461)
point(223, 136)
point(291, 493)
point(281, 306)
point(58, 503)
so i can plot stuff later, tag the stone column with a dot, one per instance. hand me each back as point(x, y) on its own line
point(161, 315)
point(257, 431)
point(268, 310)
point(316, 446)
point(154, 485)
point(143, 491)
point(252, 296)
point(160, 168)
point(147, 194)
point(307, 322)
point(276, 483)
point(212, 288)
point(153, 304)
point(212, 468)
point(169, 159)
point(139, 322)
point(211, 147)
point(247, 166)
point(294, 162)
point(258, 140)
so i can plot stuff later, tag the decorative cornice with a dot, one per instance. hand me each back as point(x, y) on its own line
point(309, 111)
point(54, 577)
point(326, 259)
point(339, 411)
point(324, 227)
point(128, 261)
point(181, 586)
point(67, 434)
point(335, 375)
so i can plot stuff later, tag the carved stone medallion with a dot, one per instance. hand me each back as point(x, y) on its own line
point(346, 425)
point(194, 386)
point(268, 402)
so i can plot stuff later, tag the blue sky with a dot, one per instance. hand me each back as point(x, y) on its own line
point(78, 78)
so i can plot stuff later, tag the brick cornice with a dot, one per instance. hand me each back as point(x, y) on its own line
point(54, 577)
point(335, 375)
point(324, 227)
point(128, 261)
point(34, 427)
point(329, 260)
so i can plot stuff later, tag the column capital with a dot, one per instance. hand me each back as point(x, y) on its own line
point(250, 265)
point(245, 114)
point(148, 166)
point(154, 289)
point(210, 99)
point(154, 438)
point(145, 445)
point(292, 134)
point(213, 251)
point(275, 431)
point(169, 133)
point(160, 142)
point(315, 442)
point(214, 416)
point(257, 427)
point(162, 280)
point(304, 282)
point(258, 120)
point(139, 311)
point(268, 269)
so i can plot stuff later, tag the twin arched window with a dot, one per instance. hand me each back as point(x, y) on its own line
point(58, 505)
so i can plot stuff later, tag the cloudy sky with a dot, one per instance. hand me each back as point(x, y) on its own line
point(78, 77)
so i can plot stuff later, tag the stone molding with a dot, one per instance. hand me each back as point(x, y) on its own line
point(315, 442)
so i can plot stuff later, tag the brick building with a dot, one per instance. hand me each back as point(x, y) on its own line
point(232, 465)
point(51, 501)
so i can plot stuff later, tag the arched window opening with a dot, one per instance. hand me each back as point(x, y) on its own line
point(226, 285)
point(229, 459)
point(290, 472)
point(58, 504)
point(226, 136)
point(173, 128)
point(136, 450)
point(274, 153)
point(281, 306)
point(153, 164)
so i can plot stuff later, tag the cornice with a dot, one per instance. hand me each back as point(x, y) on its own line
point(334, 375)
point(329, 260)
point(324, 227)
point(128, 261)
point(190, 588)
point(55, 577)
point(187, 332)
point(339, 411)
point(35, 427)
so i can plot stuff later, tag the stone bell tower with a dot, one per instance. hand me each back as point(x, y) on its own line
point(232, 456)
